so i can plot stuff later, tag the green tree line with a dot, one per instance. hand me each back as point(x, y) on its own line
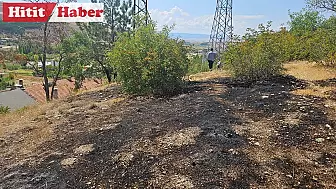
point(261, 53)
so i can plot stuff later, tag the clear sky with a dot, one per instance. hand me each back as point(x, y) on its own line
point(196, 16)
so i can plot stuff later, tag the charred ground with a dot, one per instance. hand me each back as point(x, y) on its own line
point(220, 133)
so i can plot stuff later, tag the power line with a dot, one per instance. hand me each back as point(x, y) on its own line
point(222, 29)
point(140, 9)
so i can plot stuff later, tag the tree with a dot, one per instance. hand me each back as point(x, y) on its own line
point(305, 22)
point(48, 37)
point(259, 55)
point(103, 35)
point(62, 34)
point(77, 52)
point(329, 5)
point(150, 62)
point(330, 24)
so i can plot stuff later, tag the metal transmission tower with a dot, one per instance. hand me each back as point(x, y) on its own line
point(222, 29)
point(140, 8)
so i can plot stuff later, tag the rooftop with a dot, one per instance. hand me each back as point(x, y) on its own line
point(15, 99)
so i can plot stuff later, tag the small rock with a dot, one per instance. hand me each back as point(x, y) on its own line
point(257, 144)
point(3, 142)
point(315, 179)
point(328, 126)
point(320, 140)
point(84, 149)
point(229, 135)
point(289, 176)
point(68, 162)
point(265, 97)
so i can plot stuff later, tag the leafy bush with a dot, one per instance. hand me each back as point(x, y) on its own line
point(3, 85)
point(4, 109)
point(12, 67)
point(258, 56)
point(196, 65)
point(6, 81)
point(322, 48)
point(314, 37)
point(76, 57)
point(149, 62)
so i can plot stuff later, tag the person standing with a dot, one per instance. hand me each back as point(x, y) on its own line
point(211, 58)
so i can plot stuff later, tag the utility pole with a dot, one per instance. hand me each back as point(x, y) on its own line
point(222, 29)
point(140, 8)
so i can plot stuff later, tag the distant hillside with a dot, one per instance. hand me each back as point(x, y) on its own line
point(191, 37)
point(17, 28)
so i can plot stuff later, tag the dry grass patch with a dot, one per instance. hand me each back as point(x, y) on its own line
point(315, 91)
point(25, 130)
point(111, 102)
point(18, 120)
point(208, 75)
point(96, 89)
point(309, 71)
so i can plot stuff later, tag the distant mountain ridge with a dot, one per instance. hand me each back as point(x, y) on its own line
point(191, 36)
point(15, 28)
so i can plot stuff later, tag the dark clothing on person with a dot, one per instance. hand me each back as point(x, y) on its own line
point(211, 63)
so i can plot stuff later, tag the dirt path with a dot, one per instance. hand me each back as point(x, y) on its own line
point(219, 134)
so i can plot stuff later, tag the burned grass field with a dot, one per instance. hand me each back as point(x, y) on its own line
point(221, 133)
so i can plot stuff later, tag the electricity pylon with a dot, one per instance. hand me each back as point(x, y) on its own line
point(140, 8)
point(222, 29)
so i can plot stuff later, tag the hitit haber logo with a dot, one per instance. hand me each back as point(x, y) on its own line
point(62, 12)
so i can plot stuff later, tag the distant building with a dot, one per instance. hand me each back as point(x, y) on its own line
point(39, 64)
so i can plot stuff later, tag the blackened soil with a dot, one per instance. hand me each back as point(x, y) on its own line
point(219, 134)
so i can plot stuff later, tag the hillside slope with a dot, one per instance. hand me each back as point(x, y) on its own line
point(219, 134)
point(17, 28)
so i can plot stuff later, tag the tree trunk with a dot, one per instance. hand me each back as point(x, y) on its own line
point(108, 74)
point(44, 59)
point(107, 71)
point(56, 77)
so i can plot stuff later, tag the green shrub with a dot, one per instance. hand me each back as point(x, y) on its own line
point(321, 47)
point(6, 81)
point(196, 65)
point(149, 62)
point(259, 55)
point(13, 66)
point(4, 109)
